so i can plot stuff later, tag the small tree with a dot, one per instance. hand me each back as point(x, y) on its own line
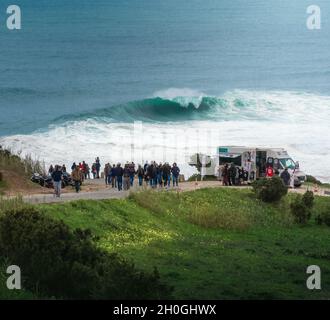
point(299, 210)
point(270, 190)
point(308, 199)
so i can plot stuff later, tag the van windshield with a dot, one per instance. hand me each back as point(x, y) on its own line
point(288, 162)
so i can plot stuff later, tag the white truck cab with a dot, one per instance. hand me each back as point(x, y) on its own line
point(253, 160)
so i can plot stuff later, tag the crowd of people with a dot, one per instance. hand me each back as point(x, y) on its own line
point(118, 176)
point(232, 175)
point(152, 174)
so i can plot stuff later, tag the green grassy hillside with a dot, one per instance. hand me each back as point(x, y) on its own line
point(211, 243)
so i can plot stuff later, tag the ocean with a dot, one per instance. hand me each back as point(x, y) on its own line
point(160, 80)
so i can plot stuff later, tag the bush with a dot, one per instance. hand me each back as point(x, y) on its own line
point(300, 211)
point(66, 264)
point(270, 190)
point(324, 216)
point(1, 176)
point(308, 199)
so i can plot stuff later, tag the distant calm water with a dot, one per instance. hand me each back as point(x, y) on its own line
point(79, 72)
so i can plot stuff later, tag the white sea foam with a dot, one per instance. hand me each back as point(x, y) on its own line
point(295, 121)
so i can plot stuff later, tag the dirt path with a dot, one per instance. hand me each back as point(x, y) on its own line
point(96, 190)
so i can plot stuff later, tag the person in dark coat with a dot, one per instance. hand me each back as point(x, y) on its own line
point(285, 176)
point(232, 174)
point(119, 176)
point(113, 177)
point(225, 175)
point(175, 174)
point(151, 173)
point(140, 173)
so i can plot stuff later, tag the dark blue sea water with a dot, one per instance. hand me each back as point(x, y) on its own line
point(76, 64)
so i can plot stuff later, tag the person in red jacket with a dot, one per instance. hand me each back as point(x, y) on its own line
point(269, 172)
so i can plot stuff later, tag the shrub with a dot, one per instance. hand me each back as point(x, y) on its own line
point(270, 190)
point(25, 166)
point(1, 176)
point(67, 264)
point(308, 199)
point(324, 216)
point(300, 211)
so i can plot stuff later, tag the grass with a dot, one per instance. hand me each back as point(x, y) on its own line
point(23, 165)
point(15, 171)
point(211, 243)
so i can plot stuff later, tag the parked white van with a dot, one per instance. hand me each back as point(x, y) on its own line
point(253, 160)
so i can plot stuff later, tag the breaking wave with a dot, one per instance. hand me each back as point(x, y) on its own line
point(174, 122)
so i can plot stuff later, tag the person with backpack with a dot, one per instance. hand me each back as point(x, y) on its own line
point(140, 174)
point(76, 176)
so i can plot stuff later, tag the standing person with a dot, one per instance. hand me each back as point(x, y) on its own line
point(232, 174)
point(97, 167)
point(76, 176)
point(165, 173)
point(285, 176)
point(150, 174)
point(132, 173)
point(87, 171)
point(175, 174)
point(109, 174)
point(225, 175)
point(63, 168)
point(154, 174)
point(269, 172)
point(73, 166)
point(145, 167)
point(94, 170)
point(119, 176)
point(106, 173)
point(84, 169)
point(113, 177)
point(291, 172)
point(219, 172)
point(57, 176)
point(169, 174)
point(140, 174)
point(160, 174)
point(51, 169)
point(127, 174)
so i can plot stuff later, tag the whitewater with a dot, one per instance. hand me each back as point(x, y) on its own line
point(172, 124)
